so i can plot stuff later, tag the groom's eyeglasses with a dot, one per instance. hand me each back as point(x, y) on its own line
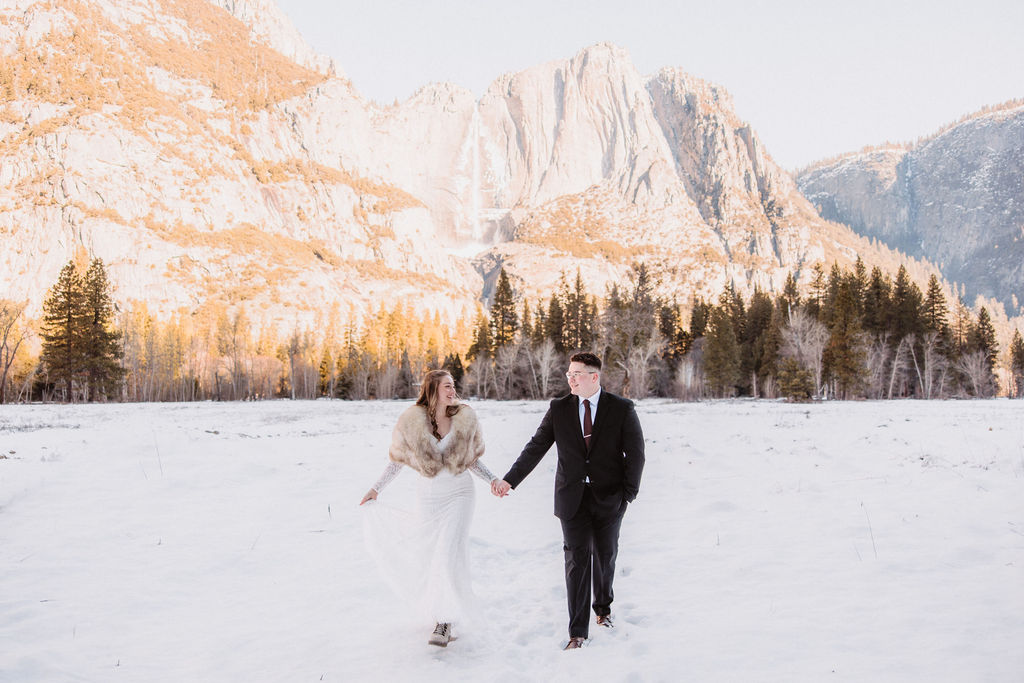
point(576, 373)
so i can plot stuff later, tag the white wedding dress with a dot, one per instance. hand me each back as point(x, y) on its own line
point(423, 555)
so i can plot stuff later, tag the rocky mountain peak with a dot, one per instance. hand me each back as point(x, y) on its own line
point(249, 181)
point(954, 198)
point(703, 96)
point(602, 57)
point(441, 93)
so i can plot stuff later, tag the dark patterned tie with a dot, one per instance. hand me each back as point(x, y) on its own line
point(588, 423)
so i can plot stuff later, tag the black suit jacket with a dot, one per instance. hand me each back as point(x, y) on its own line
point(614, 463)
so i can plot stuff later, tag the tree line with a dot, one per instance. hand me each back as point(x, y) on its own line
point(852, 334)
point(849, 334)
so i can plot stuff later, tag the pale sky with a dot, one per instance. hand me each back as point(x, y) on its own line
point(814, 78)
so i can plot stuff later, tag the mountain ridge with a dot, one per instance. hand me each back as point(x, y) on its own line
point(954, 198)
point(201, 182)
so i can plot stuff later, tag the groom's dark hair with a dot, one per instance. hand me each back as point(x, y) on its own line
point(587, 358)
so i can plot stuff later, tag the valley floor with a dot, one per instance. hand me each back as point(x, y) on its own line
point(866, 541)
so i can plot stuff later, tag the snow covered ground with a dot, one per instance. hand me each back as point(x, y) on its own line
point(770, 542)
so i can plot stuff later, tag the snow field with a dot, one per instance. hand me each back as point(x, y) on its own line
point(879, 541)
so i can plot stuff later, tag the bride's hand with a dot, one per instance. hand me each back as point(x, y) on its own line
point(370, 495)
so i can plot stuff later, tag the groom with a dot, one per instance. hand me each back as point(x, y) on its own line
point(600, 459)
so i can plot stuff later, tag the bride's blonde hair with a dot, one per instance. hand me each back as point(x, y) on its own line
point(428, 397)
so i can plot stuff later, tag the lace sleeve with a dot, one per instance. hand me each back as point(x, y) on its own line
point(480, 470)
point(390, 472)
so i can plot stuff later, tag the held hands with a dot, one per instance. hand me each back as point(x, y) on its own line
point(499, 487)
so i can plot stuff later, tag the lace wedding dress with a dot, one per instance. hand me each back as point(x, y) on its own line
point(423, 554)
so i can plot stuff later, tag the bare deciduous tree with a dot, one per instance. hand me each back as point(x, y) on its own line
point(506, 363)
point(934, 366)
point(544, 366)
point(479, 378)
point(233, 342)
point(25, 388)
point(901, 364)
point(804, 340)
point(877, 361)
point(13, 332)
point(265, 372)
point(387, 378)
point(638, 363)
point(976, 370)
point(359, 370)
point(689, 375)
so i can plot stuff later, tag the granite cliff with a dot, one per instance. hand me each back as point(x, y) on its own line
point(210, 157)
point(955, 198)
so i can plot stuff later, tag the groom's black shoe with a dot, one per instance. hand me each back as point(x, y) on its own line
point(605, 620)
point(575, 643)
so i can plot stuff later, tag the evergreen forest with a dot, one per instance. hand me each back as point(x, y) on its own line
point(849, 334)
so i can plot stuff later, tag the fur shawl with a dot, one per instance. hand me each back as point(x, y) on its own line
point(413, 444)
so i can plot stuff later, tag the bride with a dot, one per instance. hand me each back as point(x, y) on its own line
point(440, 438)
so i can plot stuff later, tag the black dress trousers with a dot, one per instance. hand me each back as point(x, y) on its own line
point(591, 543)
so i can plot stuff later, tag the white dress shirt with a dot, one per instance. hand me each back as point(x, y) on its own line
point(593, 408)
point(593, 414)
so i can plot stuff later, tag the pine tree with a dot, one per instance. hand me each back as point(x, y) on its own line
point(769, 343)
point(405, 385)
point(453, 364)
point(526, 329)
point(504, 321)
point(540, 326)
point(935, 311)
point(877, 302)
point(677, 339)
point(102, 341)
point(758, 323)
point(828, 304)
point(326, 384)
point(65, 317)
point(593, 320)
point(1017, 362)
point(844, 356)
point(858, 281)
point(699, 315)
point(790, 294)
point(816, 301)
point(732, 303)
point(580, 332)
point(721, 353)
point(906, 313)
point(615, 334)
point(795, 381)
point(555, 324)
point(983, 338)
point(961, 328)
point(348, 364)
point(643, 309)
point(482, 346)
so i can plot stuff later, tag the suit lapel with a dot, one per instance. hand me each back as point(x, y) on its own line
point(603, 409)
point(577, 428)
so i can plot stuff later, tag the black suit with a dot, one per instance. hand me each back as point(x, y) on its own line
point(591, 513)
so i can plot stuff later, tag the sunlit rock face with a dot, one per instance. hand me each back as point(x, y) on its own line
point(211, 158)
